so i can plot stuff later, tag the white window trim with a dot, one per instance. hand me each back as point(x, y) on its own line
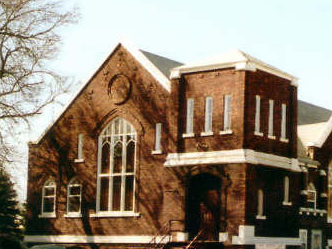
point(260, 205)
point(190, 118)
point(258, 116)
point(157, 149)
point(227, 115)
point(115, 214)
point(74, 214)
point(79, 158)
point(328, 194)
point(313, 190)
point(110, 175)
point(283, 123)
point(186, 135)
point(286, 201)
point(48, 214)
point(271, 113)
point(303, 234)
point(208, 118)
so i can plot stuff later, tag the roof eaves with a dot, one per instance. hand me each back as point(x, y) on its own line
point(324, 135)
point(137, 54)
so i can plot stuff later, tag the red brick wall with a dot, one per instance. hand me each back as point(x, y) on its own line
point(269, 86)
point(215, 84)
point(89, 114)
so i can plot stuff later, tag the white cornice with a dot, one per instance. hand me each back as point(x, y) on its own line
point(95, 239)
point(231, 156)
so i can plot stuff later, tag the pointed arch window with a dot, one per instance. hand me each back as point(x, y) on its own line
point(74, 198)
point(48, 200)
point(116, 169)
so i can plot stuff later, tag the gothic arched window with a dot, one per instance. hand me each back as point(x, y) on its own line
point(116, 168)
point(48, 199)
point(74, 197)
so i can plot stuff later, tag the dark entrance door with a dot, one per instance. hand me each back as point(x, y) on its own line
point(203, 207)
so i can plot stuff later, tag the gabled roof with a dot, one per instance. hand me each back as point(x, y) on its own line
point(314, 124)
point(163, 64)
point(312, 114)
point(234, 58)
point(156, 65)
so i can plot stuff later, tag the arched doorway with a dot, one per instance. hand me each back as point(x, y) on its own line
point(203, 207)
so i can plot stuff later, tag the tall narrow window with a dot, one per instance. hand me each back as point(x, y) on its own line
point(271, 106)
point(227, 112)
point(116, 169)
point(286, 192)
point(303, 238)
point(283, 123)
point(190, 118)
point(157, 143)
point(258, 116)
point(74, 198)
point(311, 197)
point(208, 117)
point(48, 199)
point(260, 204)
point(79, 148)
point(329, 197)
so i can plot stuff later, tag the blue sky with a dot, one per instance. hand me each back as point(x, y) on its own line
point(294, 36)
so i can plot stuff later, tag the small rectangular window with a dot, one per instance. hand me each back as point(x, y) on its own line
point(258, 116)
point(80, 146)
point(271, 107)
point(190, 116)
point(157, 146)
point(227, 112)
point(283, 123)
point(208, 117)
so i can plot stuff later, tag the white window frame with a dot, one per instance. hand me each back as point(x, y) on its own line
point(258, 117)
point(303, 234)
point(260, 205)
point(108, 136)
point(227, 115)
point(314, 233)
point(286, 201)
point(271, 112)
point(283, 123)
point(48, 184)
point(312, 189)
point(157, 143)
point(208, 117)
point(190, 118)
point(79, 158)
point(74, 183)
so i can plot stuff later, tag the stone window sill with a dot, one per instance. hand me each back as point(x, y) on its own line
point(271, 137)
point(226, 132)
point(47, 216)
point(73, 215)
point(285, 140)
point(207, 133)
point(79, 160)
point(185, 135)
point(115, 214)
point(260, 217)
point(156, 152)
point(257, 133)
point(286, 203)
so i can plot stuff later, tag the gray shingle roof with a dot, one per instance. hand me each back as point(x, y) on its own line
point(162, 63)
point(311, 114)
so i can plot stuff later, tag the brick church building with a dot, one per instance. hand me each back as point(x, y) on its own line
point(152, 153)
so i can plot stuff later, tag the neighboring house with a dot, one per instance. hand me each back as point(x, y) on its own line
point(153, 153)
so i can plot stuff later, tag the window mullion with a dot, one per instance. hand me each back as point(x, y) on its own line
point(123, 177)
point(110, 187)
